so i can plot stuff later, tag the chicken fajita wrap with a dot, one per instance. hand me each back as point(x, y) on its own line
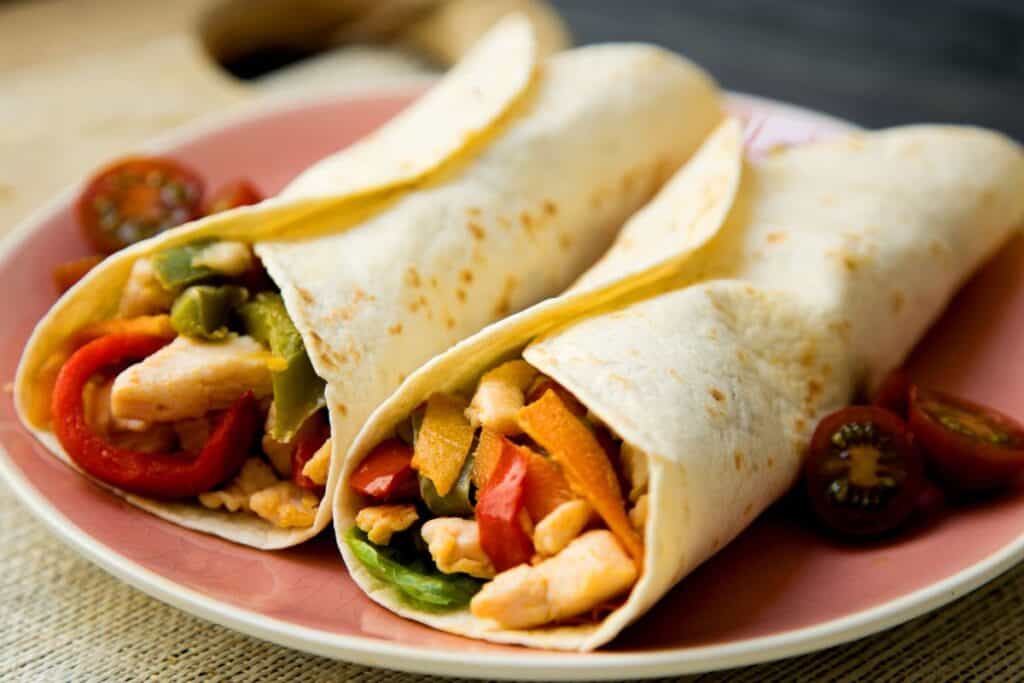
point(549, 479)
point(214, 374)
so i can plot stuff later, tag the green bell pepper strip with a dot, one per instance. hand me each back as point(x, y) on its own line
point(204, 311)
point(420, 584)
point(298, 390)
point(174, 267)
point(457, 503)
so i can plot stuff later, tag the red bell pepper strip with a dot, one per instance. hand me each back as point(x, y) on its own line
point(164, 476)
point(498, 509)
point(310, 438)
point(386, 474)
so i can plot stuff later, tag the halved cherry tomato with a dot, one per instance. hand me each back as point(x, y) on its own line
point(68, 273)
point(155, 475)
point(498, 510)
point(894, 392)
point(310, 438)
point(864, 474)
point(232, 195)
point(975, 448)
point(137, 198)
point(386, 474)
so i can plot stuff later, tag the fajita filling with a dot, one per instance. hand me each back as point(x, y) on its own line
point(199, 388)
point(514, 501)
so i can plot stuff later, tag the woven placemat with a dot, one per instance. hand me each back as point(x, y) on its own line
point(64, 619)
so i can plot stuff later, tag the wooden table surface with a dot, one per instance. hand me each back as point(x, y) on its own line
point(86, 81)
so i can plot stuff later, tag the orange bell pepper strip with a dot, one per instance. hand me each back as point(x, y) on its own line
point(552, 424)
point(443, 442)
point(486, 456)
point(546, 487)
point(66, 274)
point(498, 509)
point(545, 384)
point(158, 325)
point(166, 476)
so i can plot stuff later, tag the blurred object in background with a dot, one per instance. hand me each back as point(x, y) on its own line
point(874, 62)
point(252, 37)
point(83, 81)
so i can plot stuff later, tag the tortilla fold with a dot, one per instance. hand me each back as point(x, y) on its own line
point(725, 322)
point(490, 193)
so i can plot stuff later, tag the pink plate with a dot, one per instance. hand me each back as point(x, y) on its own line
point(779, 590)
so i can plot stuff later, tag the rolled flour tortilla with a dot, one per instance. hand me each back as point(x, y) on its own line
point(493, 191)
point(746, 301)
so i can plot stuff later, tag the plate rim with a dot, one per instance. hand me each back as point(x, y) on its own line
point(420, 659)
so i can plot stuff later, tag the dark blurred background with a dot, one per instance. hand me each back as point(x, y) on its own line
point(874, 62)
point(131, 69)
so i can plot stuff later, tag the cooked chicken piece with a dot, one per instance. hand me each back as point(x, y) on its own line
point(159, 438)
point(454, 545)
point(634, 463)
point(143, 294)
point(381, 522)
point(592, 569)
point(319, 465)
point(96, 399)
point(132, 434)
point(638, 515)
point(193, 433)
point(499, 396)
point(254, 476)
point(285, 505)
point(189, 378)
point(560, 526)
point(227, 258)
